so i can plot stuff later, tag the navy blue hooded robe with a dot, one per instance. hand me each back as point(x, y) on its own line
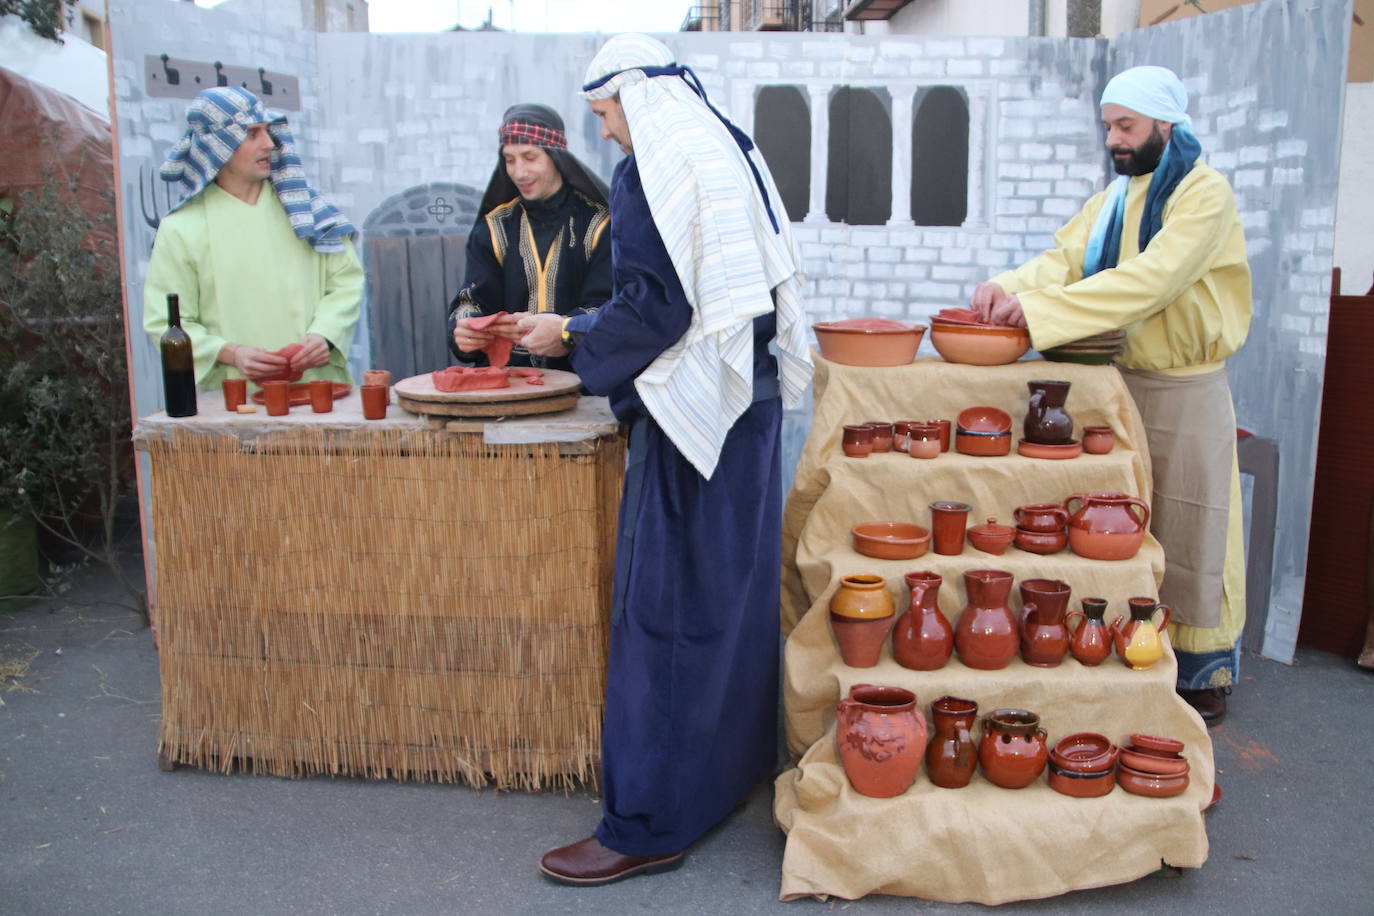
point(691, 693)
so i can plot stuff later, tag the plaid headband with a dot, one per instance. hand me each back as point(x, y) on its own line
point(523, 132)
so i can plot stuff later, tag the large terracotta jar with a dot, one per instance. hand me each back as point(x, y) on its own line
point(1047, 422)
point(923, 639)
point(985, 635)
point(1044, 635)
point(881, 737)
point(1092, 641)
point(861, 615)
point(952, 756)
point(1105, 527)
point(1012, 751)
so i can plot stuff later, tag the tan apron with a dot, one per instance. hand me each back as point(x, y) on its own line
point(1190, 426)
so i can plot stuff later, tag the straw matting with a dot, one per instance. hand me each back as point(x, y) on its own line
point(411, 604)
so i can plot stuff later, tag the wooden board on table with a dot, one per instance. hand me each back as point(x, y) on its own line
point(490, 408)
point(556, 382)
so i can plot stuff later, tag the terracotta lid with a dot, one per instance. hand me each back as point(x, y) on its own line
point(993, 530)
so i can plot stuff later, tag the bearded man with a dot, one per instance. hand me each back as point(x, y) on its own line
point(1161, 254)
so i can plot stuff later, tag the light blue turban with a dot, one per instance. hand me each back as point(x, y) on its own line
point(1155, 92)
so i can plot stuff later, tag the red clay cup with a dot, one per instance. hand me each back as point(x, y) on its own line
point(235, 393)
point(276, 397)
point(321, 395)
point(374, 401)
point(947, 520)
point(379, 377)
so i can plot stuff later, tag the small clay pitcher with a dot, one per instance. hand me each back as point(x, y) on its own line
point(986, 634)
point(1043, 518)
point(1012, 751)
point(881, 737)
point(923, 640)
point(1092, 640)
point(1104, 527)
point(1137, 641)
point(1098, 440)
point(1044, 636)
point(1047, 423)
point(857, 440)
point(861, 615)
point(952, 756)
point(947, 521)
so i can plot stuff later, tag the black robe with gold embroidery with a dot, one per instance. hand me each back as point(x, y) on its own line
point(552, 255)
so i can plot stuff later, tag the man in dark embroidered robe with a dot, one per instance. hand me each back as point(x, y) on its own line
point(540, 242)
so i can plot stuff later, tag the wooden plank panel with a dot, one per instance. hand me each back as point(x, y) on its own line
point(427, 303)
point(388, 276)
point(455, 276)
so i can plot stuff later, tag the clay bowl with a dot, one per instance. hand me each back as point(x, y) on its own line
point(1081, 785)
point(983, 420)
point(982, 444)
point(869, 341)
point(1041, 541)
point(1098, 440)
point(1150, 784)
point(991, 537)
point(1154, 764)
point(978, 345)
point(1156, 744)
point(1070, 449)
point(890, 540)
point(1084, 752)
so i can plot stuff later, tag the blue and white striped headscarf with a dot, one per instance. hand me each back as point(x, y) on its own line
point(714, 203)
point(1158, 93)
point(217, 121)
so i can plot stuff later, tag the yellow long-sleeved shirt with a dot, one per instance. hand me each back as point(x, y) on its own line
point(243, 276)
point(1184, 301)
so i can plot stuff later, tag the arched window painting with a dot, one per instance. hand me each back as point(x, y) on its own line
point(939, 157)
point(782, 129)
point(858, 188)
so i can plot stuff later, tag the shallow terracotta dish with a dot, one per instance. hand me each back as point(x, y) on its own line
point(869, 341)
point(1157, 744)
point(978, 345)
point(891, 540)
point(1154, 764)
point(1081, 785)
point(983, 420)
point(983, 445)
point(1050, 452)
point(298, 393)
point(1150, 784)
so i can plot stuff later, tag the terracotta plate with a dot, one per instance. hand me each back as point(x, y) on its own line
point(298, 393)
point(1036, 450)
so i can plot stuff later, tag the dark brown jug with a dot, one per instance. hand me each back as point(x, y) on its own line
point(952, 755)
point(1047, 423)
point(923, 639)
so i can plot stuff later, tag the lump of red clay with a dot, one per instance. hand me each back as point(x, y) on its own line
point(461, 378)
point(871, 324)
point(290, 373)
point(531, 376)
point(962, 316)
point(498, 351)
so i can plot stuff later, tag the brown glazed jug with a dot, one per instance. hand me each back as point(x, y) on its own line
point(1137, 641)
point(1012, 751)
point(986, 635)
point(881, 738)
point(923, 639)
point(952, 756)
point(1092, 641)
point(1044, 635)
point(861, 616)
point(1047, 422)
point(1105, 527)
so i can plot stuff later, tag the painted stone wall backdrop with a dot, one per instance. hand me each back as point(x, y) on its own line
point(1269, 119)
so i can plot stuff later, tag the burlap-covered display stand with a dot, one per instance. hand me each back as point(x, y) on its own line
point(981, 843)
point(384, 599)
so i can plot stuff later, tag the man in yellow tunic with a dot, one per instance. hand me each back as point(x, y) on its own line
point(1161, 254)
point(254, 271)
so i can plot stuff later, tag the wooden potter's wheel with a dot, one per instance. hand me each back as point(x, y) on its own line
point(560, 391)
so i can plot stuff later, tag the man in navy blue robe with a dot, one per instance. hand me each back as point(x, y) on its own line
point(691, 696)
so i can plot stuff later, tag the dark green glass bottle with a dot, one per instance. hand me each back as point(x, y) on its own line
point(178, 364)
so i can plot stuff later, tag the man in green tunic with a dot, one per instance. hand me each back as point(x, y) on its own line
point(257, 266)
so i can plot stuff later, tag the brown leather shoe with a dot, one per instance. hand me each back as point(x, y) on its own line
point(588, 863)
point(1210, 703)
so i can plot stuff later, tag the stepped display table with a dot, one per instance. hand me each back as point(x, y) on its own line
point(980, 843)
point(392, 598)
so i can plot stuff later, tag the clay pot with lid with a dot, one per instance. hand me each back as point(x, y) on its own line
point(881, 737)
point(1047, 422)
point(952, 755)
point(985, 635)
point(1044, 636)
point(991, 537)
point(861, 616)
point(1091, 642)
point(1106, 526)
point(923, 640)
point(1012, 751)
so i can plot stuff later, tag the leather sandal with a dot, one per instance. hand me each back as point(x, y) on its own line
point(587, 864)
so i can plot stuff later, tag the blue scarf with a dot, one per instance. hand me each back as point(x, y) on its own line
point(1104, 242)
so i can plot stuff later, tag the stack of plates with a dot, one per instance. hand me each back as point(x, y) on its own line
point(1096, 350)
